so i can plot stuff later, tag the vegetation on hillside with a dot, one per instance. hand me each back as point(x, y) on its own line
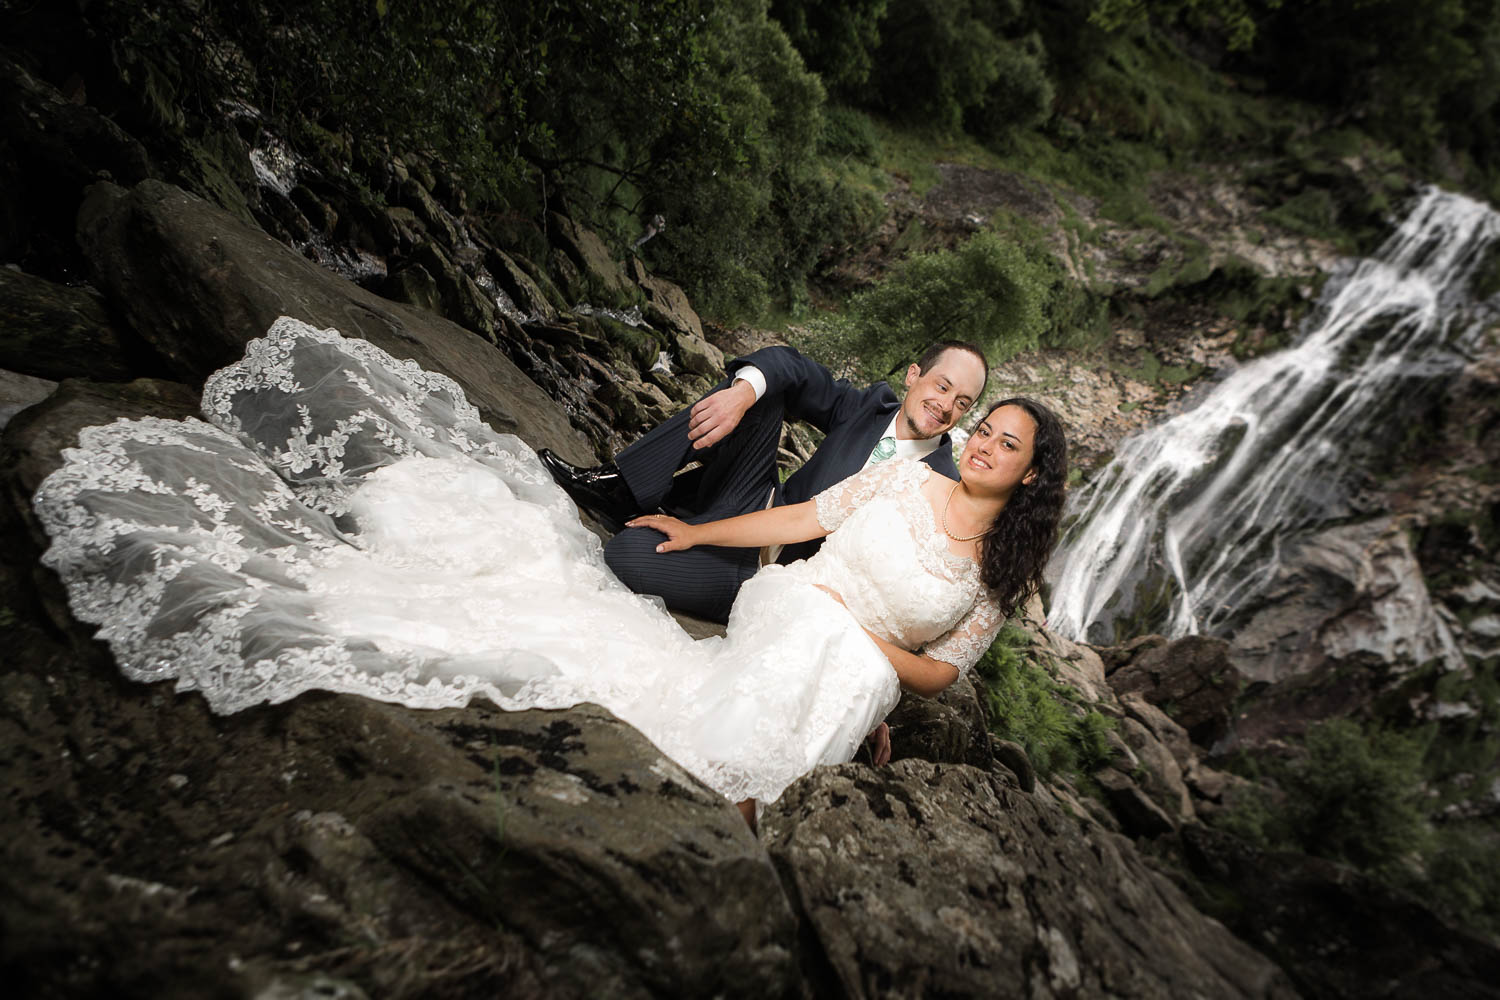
point(747, 124)
point(1373, 797)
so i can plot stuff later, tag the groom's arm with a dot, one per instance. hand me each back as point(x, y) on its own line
point(808, 391)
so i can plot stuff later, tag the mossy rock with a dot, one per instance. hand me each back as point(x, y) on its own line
point(414, 286)
point(217, 167)
point(641, 344)
point(596, 277)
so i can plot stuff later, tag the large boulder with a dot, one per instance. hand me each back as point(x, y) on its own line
point(524, 292)
point(66, 144)
point(942, 880)
point(587, 268)
point(17, 392)
point(949, 728)
point(197, 284)
point(1192, 679)
point(52, 331)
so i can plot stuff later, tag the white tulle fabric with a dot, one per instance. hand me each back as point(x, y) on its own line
point(347, 523)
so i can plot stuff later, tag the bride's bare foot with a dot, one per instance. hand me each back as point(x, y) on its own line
point(747, 810)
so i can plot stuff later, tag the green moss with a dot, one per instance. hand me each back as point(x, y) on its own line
point(1310, 212)
point(1178, 374)
point(1192, 269)
point(1147, 367)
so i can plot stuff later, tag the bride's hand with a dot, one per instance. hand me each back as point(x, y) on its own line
point(678, 532)
point(831, 593)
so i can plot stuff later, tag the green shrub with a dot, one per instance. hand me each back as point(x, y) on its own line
point(848, 132)
point(1464, 873)
point(1353, 795)
point(1025, 705)
point(989, 290)
point(1018, 98)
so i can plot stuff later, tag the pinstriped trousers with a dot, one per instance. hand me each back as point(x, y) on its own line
point(737, 476)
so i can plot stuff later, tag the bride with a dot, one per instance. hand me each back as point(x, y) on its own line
point(346, 522)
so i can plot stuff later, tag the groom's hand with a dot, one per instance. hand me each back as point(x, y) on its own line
point(718, 413)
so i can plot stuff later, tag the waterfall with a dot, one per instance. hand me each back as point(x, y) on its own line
point(1187, 523)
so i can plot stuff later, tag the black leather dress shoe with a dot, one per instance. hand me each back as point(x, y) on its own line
point(601, 490)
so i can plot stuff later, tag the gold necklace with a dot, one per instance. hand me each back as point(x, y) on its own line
point(945, 519)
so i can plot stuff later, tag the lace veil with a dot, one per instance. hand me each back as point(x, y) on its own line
point(190, 542)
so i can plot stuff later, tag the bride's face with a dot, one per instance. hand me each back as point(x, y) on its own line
point(998, 454)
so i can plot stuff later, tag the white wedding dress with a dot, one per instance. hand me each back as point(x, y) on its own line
point(347, 523)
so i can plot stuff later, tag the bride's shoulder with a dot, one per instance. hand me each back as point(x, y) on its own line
point(927, 478)
point(902, 475)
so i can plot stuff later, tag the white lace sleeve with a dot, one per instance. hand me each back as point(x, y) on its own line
point(964, 643)
point(840, 500)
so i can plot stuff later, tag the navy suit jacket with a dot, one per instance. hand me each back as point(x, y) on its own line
point(852, 419)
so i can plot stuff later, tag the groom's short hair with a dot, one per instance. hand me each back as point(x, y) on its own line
point(929, 358)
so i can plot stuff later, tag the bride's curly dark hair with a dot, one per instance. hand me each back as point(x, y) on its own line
point(1018, 543)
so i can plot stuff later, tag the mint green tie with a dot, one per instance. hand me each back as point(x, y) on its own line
point(884, 449)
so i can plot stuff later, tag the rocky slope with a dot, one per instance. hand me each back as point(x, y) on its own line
point(409, 853)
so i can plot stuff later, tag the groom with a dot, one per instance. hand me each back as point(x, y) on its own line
point(734, 432)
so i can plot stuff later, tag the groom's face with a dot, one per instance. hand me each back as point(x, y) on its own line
point(937, 398)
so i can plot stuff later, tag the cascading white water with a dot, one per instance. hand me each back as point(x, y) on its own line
point(1188, 521)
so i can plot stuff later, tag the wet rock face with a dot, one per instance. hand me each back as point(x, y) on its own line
point(941, 880)
point(1192, 678)
point(1347, 592)
point(197, 284)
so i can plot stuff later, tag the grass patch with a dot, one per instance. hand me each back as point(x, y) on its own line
point(913, 154)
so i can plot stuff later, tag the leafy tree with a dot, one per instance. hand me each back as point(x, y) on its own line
point(837, 39)
point(738, 228)
point(1233, 19)
point(1416, 74)
point(950, 63)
